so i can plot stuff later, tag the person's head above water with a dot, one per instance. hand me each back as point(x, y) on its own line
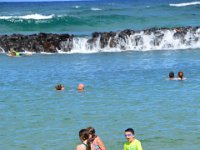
point(81, 87)
point(180, 75)
point(171, 75)
point(59, 87)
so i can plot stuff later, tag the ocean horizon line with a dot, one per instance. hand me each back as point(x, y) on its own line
point(32, 1)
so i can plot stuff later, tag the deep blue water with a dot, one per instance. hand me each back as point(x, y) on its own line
point(84, 17)
point(127, 89)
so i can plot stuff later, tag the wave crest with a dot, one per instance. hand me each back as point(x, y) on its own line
point(144, 40)
point(31, 16)
point(96, 9)
point(185, 4)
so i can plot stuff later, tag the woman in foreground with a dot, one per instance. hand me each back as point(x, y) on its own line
point(96, 140)
point(85, 139)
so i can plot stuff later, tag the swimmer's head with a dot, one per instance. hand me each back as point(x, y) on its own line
point(171, 75)
point(180, 74)
point(81, 87)
point(59, 87)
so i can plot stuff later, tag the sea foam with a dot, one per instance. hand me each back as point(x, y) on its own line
point(95, 9)
point(160, 40)
point(185, 4)
point(26, 17)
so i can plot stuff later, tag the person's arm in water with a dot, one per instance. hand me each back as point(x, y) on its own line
point(100, 143)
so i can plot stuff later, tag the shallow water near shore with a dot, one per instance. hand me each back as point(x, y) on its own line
point(125, 89)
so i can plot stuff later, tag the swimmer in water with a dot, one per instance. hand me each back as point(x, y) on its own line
point(81, 87)
point(14, 53)
point(59, 87)
point(171, 75)
point(180, 75)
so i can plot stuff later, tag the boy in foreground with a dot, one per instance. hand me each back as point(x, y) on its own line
point(132, 143)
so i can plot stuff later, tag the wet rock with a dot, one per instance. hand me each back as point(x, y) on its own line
point(42, 42)
point(50, 42)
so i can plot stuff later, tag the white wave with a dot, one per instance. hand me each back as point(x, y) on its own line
point(2, 50)
point(76, 7)
point(46, 53)
point(185, 4)
point(140, 41)
point(31, 16)
point(96, 9)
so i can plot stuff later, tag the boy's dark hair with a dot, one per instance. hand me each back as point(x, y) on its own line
point(130, 130)
point(171, 74)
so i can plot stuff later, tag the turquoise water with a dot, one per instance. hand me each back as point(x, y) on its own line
point(84, 17)
point(127, 89)
point(123, 89)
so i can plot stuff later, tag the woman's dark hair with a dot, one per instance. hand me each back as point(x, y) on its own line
point(91, 131)
point(130, 130)
point(59, 87)
point(171, 74)
point(180, 74)
point(84, 135)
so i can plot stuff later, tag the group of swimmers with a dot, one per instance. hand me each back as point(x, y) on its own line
point(61, 87)
point(81, 86)
point(91, 141)
point(180, 76)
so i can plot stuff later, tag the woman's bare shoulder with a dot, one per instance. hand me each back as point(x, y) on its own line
point(80, 147)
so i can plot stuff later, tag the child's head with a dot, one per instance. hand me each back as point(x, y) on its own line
point(129, 134)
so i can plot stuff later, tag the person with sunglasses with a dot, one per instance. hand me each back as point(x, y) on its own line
point(132, 143)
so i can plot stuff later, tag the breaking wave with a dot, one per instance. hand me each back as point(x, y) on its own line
point(144, 40)
point(185, 4)
point(95, 9)
point(26, 17)
point(126, 40)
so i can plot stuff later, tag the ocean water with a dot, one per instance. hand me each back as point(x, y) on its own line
point(84, 17)
point(123, 88)
point(128, 89)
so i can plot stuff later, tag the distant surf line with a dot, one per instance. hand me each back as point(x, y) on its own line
point(185, 4)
